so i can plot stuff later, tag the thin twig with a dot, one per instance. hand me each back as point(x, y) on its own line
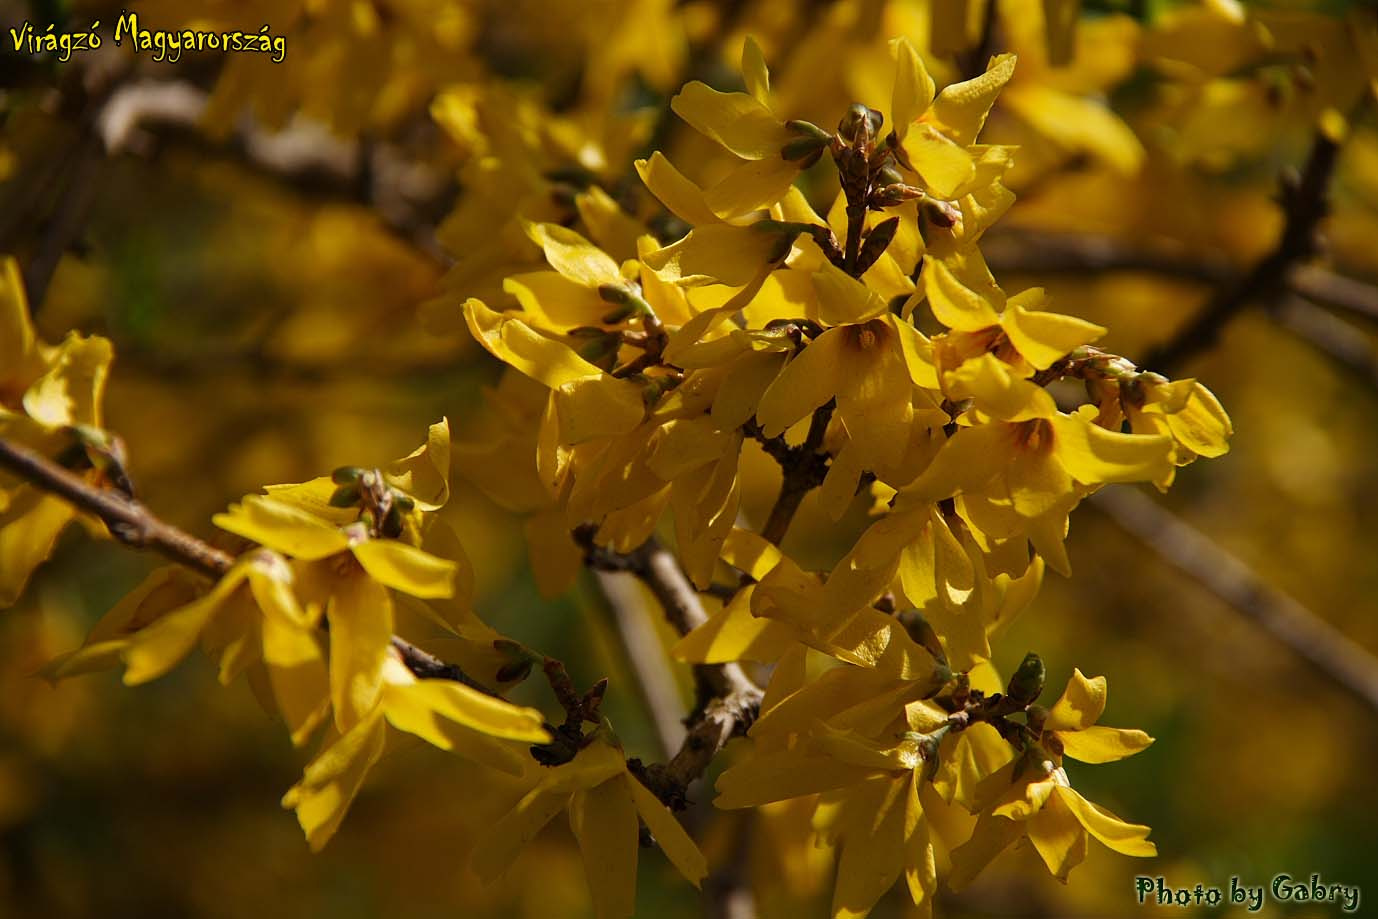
point(1304, 204)
point(135, 525)
point(1019, 252)
point(1333, 655)
point(728, 699)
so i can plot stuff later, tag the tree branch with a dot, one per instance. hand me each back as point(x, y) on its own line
point(1333, 655)
point(1305, 204)
point(135, 525)
point(728, 699)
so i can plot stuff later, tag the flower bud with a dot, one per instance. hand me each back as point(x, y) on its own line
point(802, 147)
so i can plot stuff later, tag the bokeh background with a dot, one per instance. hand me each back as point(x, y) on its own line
point(281, 310)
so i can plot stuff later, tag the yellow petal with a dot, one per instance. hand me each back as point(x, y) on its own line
point(16, 328)
point(155, 650)
point(282, 527)
point(406, 568)
point(574, 256)
point(602, 407)
point(1045, 338)
point(992, 836)
point(807, 382)
point(70, 391)
point(512, 341)
point(872, 837)
point(297, 673)
point(1094, 455)
point(415, 707)
point(604, 822)
point(945, 166)
point(504, 839)
point(677, 845)
point(751, 186)
point(953, 303)
point(742, 388)
point(718, 254)
point(360, 616)
point(961, 108)
point(914, 88)
point(615, 230)
point(682, 197)
point(1098, 744)
point(29, 527)
point(332, 779)
point(843, 299)
point(735, 120)
point(1202, 425)
point(778, 776)
point(734, 634)
point(1078, 125)
point(1058, 837)
point(750, 553)
point(754, 72)
point(969, 459)
point(1080, 705)
point(1124, 838)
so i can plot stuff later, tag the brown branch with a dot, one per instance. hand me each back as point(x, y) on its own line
point(1305, 204)
point(802, 469)
point(1333, 655)
point(410, 197)
point(1347, 346)
point(126, 519)
point(135, 525)
point(1019, 252)
point(728, 699)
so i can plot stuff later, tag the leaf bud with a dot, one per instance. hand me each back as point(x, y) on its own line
point(941, 213)
point(860, 124)
point(1027, 683)
point(346, 475)
point(346, 496)
point(802, 147)
point(876, 243)
point(808, 129)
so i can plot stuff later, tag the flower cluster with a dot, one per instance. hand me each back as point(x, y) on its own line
point(768, 320)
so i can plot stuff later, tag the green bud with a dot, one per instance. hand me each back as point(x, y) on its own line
point(922, 632)
point(802, 147)
point(346, 475)
point(860, 123)
point(1027, 683)
point(808, 129)
point(345, 496)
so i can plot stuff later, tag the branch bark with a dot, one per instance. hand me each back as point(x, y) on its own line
point(1329, 651)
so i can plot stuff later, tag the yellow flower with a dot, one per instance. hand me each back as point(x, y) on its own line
point(1184, 410)
point(871, 791)
point(45, 390)
point(934, 131)
point(587, 402)
point(870, 361)
point(446, 714)
point(1032, 796)
point(745, 125)
point(1022, 471)
point(347, 576)
point(251, 618)
point(605, 802)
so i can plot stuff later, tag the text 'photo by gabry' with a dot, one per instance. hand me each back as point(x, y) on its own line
point(162, 44)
